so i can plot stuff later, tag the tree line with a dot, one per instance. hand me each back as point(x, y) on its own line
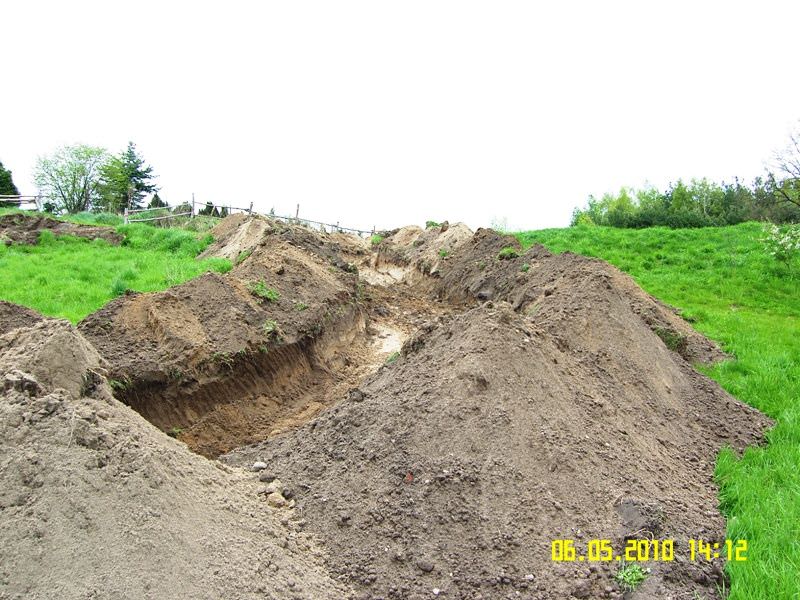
point(697, 203)
point(774, 197)
point(78, 178)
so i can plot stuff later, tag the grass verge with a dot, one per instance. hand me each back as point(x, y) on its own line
point(734, 293)
point(71, 277)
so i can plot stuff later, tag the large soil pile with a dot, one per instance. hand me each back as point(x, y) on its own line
point(97, 503)
point(555, 409)
point(19, 228)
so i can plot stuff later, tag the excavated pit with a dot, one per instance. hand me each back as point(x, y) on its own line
point(534, 397)
point(220, 362)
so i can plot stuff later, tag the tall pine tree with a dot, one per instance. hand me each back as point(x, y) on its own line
point(126, 181)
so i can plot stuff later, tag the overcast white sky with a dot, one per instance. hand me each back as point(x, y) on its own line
point(389, 113)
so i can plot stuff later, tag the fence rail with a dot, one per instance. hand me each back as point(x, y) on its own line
point(130, 216)
point(20, 200)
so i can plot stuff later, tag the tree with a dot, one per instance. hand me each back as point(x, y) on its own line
point(70, 177)
point(7, 187)
point(126, 179)
point(157, 202)
point(784, 176)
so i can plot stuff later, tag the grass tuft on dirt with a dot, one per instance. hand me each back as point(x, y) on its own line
point(69, 277)
point(733, 292)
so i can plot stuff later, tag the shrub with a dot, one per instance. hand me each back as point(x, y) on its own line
point(260, 289)
point(432, 224)
point(376, 239)
point(782, 243)
point(270, 327)
point(444, 252)
point(629, 577)
point(508, 253)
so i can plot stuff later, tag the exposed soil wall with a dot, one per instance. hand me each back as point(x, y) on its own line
point(220, 365)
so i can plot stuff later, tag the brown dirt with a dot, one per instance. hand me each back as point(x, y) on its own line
point(97, 503)
point(550, 408)
point(411, 252)
point(20, 228)
point(226, 367)
point(540, 397)
point(14, 315)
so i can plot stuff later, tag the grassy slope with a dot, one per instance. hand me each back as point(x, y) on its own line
point(72, 277)
point(743, 299)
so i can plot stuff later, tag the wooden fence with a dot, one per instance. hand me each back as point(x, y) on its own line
point(144, 215)
point(19, 201)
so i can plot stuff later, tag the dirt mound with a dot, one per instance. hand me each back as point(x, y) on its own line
point(411, 251)
point(236, 236)
point(96, 503)
point(550, 408)
point(20, 228)
point(14, 315)
point(226, 360)
point(556, 288)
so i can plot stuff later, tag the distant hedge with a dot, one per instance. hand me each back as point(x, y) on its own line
point(700, 203)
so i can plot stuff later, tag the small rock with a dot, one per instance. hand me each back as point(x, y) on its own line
point(276, 500)
point(266, 477)
point(484, 295)
point(436, 591)
point(280, 270)
point(274, 486)
point(356, 395)
point(258, 466)
point(424, 565)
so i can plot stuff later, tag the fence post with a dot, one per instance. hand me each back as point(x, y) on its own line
point(297, 213)
point(250, 210)
point(193, 205)
point(126, 215)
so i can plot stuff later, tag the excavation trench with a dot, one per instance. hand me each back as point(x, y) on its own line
point(252, 396)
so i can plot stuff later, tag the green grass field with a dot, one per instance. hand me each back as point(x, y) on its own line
point(739, 296)
point(71, 277)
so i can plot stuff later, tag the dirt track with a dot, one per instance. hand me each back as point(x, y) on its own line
point(536, 397)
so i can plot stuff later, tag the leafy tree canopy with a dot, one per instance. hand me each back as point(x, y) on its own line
point(69, 178)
